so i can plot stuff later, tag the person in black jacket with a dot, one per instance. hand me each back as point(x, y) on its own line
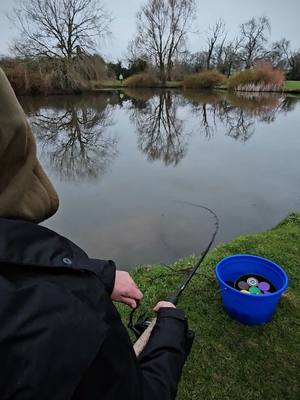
point(61, 337)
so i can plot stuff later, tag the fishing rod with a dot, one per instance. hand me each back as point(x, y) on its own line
point(143, 327)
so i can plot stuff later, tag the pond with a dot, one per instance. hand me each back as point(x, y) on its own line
point(130, 167)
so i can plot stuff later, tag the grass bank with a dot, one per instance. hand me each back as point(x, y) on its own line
point(230, 360)
point(289, 86)
point(292, 86)
point(115, 84)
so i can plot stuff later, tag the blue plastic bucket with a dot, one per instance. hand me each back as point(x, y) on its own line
point(249, 308)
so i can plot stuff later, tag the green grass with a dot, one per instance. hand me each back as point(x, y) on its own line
point(105, 84)
point(173, 84)
point(230, 360)
point(113, 84)
point(289, 87)
point(292, 86)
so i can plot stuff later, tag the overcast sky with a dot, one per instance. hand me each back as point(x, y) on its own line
point(284, 17)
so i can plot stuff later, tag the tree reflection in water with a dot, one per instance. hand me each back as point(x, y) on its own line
point(236, 112)
point(238, 124)
point(204, 107)
point(160, 131)
point(75, 137)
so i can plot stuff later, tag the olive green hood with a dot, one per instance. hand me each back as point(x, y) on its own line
point(25, 190)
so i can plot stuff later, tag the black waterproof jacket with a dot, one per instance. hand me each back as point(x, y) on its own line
point(61, 337)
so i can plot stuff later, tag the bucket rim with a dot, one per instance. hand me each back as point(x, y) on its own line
point(284, 286)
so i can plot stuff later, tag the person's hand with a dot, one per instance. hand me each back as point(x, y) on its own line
point(125, 290)
point(162, 304)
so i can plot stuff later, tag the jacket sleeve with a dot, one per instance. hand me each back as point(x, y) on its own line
point(116, 372)
point(105, 271)
point(162, 360)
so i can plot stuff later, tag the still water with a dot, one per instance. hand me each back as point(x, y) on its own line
point(128, 164)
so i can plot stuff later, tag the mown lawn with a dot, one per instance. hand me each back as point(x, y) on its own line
point(230, 360)
point(105, 84)
point(292, 86)
point(112, 84)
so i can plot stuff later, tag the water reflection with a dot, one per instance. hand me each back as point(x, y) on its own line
point(131, 216)
point(245, 109)
point(237, 113)
point(76, 139)
point(289, 103)
point(238, 124)
point(139, 98)
point(206, 117)
point(74, 136)
point(161, 133)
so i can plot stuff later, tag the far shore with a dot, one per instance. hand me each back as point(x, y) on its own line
point(289, 86)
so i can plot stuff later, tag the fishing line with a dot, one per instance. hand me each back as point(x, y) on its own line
point(142, 323)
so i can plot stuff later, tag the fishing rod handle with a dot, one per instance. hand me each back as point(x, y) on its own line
point(144, 338)
point(140, 344)
point(173, 299)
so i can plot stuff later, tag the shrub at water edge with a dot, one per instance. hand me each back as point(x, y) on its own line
point(142, 80)
point(52, 76)
point(263, 78)
point(204, 80)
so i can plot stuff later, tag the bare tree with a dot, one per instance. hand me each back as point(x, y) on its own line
point(198, 61)
point(219, 53)
point(294, 72)
point(58, 28)
point(282, 56)
point(254, 36)
point(162, 27)
point(230, 57)
point(216, 32)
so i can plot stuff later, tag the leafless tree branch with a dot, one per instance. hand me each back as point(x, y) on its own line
point(58, 28)
point(162, 27)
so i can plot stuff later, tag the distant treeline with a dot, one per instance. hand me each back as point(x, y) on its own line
point(62, 76)
point(54, 51)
